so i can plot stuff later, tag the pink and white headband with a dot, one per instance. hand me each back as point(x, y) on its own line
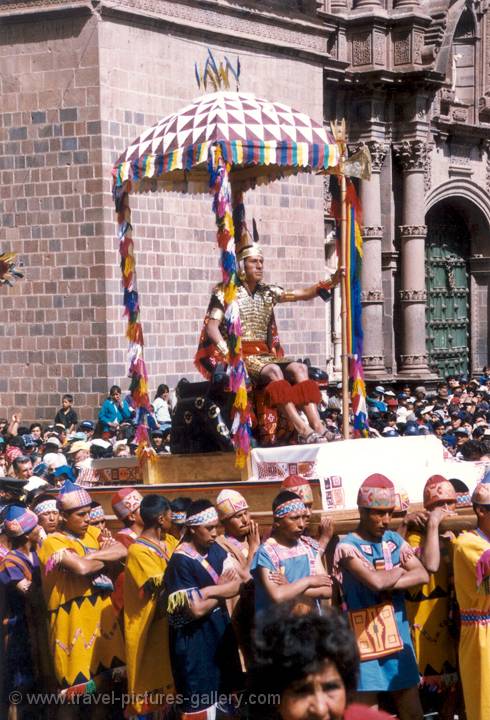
point(178, 518)
point(204, 517)
point(289, 507)
point(46, 506)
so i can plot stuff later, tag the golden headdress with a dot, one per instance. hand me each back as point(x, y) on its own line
point(248, 245)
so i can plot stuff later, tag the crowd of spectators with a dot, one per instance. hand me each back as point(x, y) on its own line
point(65, 449)
point(457, 411)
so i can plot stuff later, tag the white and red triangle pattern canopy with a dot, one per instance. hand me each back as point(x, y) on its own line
point(228, 116)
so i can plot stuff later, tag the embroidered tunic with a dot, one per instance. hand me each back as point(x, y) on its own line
point(429, 608)
point(145, 625)
point(84, 635)
point(25, 660)
point(203, 651)
point(472, 583)
point(379, 620)
point(294, 563)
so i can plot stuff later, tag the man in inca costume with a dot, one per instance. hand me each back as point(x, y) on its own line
point(287, 385)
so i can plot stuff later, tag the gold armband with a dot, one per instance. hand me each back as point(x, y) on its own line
point(216, 314)
point(222, 347)
point(288, 296)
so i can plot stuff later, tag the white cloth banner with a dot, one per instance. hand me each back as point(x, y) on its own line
point(342, 466)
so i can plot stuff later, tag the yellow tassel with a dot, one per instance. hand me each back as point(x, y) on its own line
point(240, 458)
point(177, 601)
point(230, 293)
point(241, 398)
point(128, 265)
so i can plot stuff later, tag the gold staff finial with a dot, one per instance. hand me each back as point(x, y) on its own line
point(217, 75)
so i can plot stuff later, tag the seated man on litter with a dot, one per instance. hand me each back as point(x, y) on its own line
point(286, 381)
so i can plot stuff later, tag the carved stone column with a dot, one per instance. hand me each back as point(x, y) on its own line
point(367, 3)
point(371, 278)
point(412, 156)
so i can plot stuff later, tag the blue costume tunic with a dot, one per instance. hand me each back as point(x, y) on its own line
point(294, 563)
point(203, 651)
point(20, 657)
point(398, 670)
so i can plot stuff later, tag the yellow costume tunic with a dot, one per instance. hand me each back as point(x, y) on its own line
point(429, 610)
point(145, 628)
point(472, 582)
point(84, 635)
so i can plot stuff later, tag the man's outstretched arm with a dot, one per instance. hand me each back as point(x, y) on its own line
point(309, 293)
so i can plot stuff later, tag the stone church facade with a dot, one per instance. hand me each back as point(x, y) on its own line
point(80, 79)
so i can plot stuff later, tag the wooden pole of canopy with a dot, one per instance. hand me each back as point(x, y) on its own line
point(343, 298)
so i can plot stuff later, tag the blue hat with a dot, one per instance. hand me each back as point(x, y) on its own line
point(481, 493)
point(411, 428)
point(87, 425)
point(64, 470)
point(28, 441)
point(449, 440)
point(72, 496)
point(18, 520)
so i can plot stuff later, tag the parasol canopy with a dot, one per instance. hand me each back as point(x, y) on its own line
point(261, 140)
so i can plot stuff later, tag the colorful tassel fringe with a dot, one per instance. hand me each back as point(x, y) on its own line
point(137, 369)
point(236, 152)
point(219, 183)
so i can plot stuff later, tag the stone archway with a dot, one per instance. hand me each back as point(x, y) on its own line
point(458, 277)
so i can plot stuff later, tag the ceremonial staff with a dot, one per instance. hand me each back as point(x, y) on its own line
point(357, 165)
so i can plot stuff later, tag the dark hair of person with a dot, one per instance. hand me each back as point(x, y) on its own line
point(97, 452)
point(459, 485)
point(20, 460)
point(181, 504)
point(472, 450)
point(289, 646)
point(113, 389)
point(198, 506)
point(68, 397)
point(35, 425)
point(152, 506)
point(161, 390)
point(38, 495)
point(283, 497)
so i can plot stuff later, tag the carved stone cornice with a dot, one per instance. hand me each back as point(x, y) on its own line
point(240, 21)
point(414, 360)
point(411, 154)
point(413, 296)
point(372, 297)
point(413, 231)
point(378, 151)
point(26, 7)
point(373, 362)
point(372, 232)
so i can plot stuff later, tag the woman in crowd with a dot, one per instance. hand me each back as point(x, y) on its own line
point(306, 668)
point(161, 408)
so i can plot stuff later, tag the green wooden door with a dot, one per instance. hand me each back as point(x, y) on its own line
point(447, 315)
